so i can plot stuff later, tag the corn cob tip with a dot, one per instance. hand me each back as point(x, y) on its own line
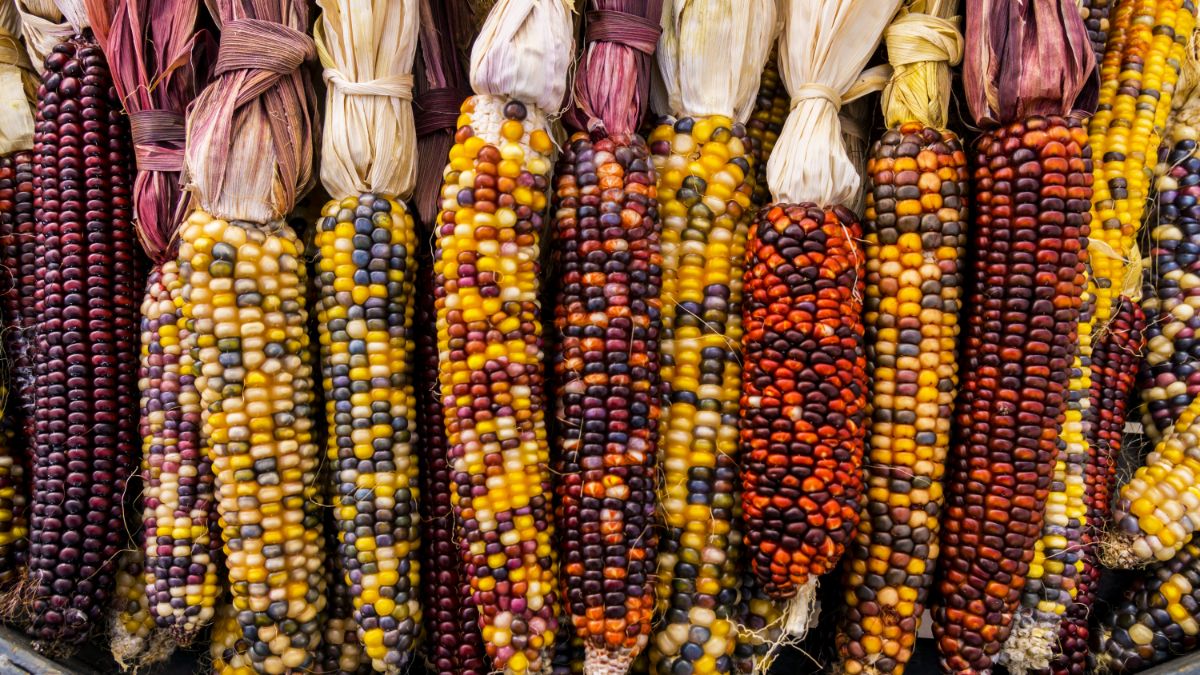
point(802, 610)
point(607, 661)
point(133, 652)
point(1029, 647)
point(1118, 550)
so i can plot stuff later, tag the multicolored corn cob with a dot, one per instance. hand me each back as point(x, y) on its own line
point(766, 122)
point(490, 340)
point(453, 642)
point(1031, 226)
point(85, 347)
point(132, 623)
point(1157, 619)
point(341, 652)
point(228, 649)
point(916, 235)
point(1095, 17)
point(704, 205)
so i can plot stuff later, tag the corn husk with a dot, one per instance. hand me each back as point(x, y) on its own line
point(159, 62)
point(445, 26)
point(1020, 60)
point(251, 133)
point(367, 49)
point(524, 51)
point(711, 56)
point(18, 84)
point(923, 42)
point(45, 23)
point(824, 46)
point(612, 86)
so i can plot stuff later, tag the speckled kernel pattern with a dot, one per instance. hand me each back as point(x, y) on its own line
point(244, 301)
point(178, 484)
point(1033, 188)
point(494, 198)
point(85, 348)
point(608, 317)
point(365, 276)
point(916, 235)
point(703, 166)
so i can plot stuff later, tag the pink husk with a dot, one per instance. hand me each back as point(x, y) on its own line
point(159, 61)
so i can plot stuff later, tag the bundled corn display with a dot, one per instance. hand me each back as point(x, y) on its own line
point(703, 160)
point(1032, 192)
point(916, 233)
point(486, 266)
point(541, 384)
point(607, 319)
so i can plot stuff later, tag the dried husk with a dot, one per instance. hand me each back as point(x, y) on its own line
point(367, 48)
point(923, 42)
point(824, 46)
point(251, 133)
point(1020, 60)
point(45, 23)
point(18, 84)
point(445, 27)
point(524, 51)
point(159, 61)
point(711, 56)
point(612, 85)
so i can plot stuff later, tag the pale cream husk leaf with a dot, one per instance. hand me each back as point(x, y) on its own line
point(824, 43)
point(17, 82)
point(370, 140)
point(922, 43)
point(711, 56)
point(524, 51)
point(43, 26)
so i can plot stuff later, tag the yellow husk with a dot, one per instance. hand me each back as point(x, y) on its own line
point(370, 141)
point(18, 84)
point(711, 56)
point(824, 46)
point(45, 23)
point(922, 44)
point(524, 51)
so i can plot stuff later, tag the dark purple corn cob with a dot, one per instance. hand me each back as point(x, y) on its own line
point(85, 354)
point(454, 646)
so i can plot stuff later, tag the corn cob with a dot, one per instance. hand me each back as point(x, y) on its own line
point(155, 86)
point(1171, 376)
point(1029, 284)
point(1095, 16)
point(229, 650)
point(913, 297)
point(759, 630)
point(1157, 619)
point(608, 315)
point(132, 624)
point(568, 654)
point(766, 122)
point(453, 640)
point(703, 158)
point(486, 267)
point(16, 248)
point(489, 322)
point(85, 352)
point(607, 318)
point(341, 652)
point(704, 207)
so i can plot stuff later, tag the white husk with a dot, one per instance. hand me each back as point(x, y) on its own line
point(824, 42)
point(43, 26)
point(370, 141)
point(16, 115)
point(524, 51)
point(711, 55)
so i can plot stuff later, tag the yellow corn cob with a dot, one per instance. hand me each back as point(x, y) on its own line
point(132, 628)
point(228, 649)
point(244, 301)
point(704, 194)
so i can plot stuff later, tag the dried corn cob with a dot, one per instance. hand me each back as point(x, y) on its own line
point(1095, 17)
point(759, 631)
point(453, 642)
point(249, 157)
point(341, 652)
point(1157, 619)
point(607, 319)
point(85, 352)
point(229, 650)
point(494, 197)
point(155, 85)
point(1033, 191)
point(132, 623)
point(703, 160)
point(915, 240)
point(367, 241)
point(770, 111)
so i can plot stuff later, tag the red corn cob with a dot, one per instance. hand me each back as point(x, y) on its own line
point(85, 351)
